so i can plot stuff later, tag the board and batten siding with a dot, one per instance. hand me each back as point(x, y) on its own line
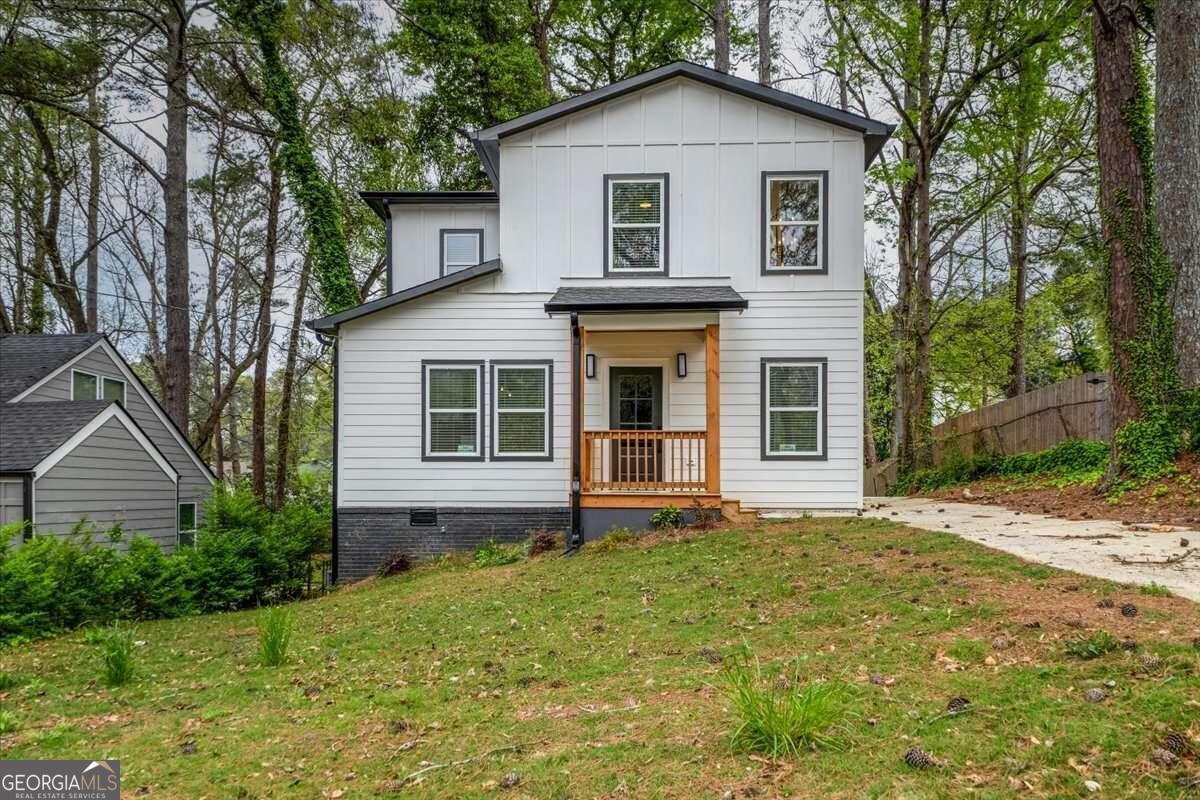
point(416, 237)
point(683, 406)
point(714, 145)
point(379, 402)
point(112, 479)
point(194, 484)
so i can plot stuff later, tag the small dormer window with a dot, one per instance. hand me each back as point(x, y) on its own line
point(461, 248)
point(636, 217)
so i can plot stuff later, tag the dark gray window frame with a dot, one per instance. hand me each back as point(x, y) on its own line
point(442, 248)
point(665, 177)
point(521, 362)
point(764, 454)
point(823, 267)
point(479, 407)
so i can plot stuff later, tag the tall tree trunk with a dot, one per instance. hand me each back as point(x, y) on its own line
point(35, 305)
point(177, 389)
point(1177, 158)
point(1018, 279)
point(93, 215)
point(18, 216)
point(764, 42)
point(1122, 184)
point(235, 448)
point(284, 432)
point(721, 35)
point(258, 423)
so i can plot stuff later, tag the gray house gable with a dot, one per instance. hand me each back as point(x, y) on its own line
point(42, 374)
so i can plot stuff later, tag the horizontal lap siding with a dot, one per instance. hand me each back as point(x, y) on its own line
point(684, 408)
point(379, 401)
point(194, 485)
point(108, 478)
point(786, 325)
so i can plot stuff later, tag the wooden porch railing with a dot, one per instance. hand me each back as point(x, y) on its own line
point(644, 461)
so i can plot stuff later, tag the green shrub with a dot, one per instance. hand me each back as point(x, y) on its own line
point(8, 722)
point(1073, 461)
point(1155, 590)
point(245, 556)
point(615, 537)
point(782, 718)
point(494, 554)
point(1098, 644)
point(9, 681)
point(667, 517)
point(117, 651)
point(274, 636)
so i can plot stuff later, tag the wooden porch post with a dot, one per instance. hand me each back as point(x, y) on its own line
point(585, 471)
point(712, 408)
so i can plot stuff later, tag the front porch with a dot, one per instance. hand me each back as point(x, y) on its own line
point(650, 398)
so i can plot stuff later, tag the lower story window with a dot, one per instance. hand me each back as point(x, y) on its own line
point(453, 400)
point(187, 524)
point(521, 409)
point(793, 408)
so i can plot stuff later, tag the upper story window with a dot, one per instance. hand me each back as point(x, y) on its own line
point(636, 229)
point(795, 208)
point(461, 248)
point(89, 386)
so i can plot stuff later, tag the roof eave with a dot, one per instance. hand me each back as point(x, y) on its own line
point(328, 325)
point(765, 94)
point(648, 305)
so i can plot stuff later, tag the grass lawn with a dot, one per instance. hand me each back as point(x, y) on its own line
point(595, 676)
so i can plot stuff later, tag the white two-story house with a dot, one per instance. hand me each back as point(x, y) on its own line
point(660, 304)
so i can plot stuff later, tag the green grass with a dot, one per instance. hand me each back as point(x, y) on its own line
point(274, 636)
point(601, 675)
point(783, 717)
point(117, 647)
point(1155, 590)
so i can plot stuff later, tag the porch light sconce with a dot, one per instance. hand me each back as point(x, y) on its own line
point(589, 365)
point(681, 364)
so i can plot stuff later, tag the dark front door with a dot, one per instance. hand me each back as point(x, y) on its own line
point(635, 404)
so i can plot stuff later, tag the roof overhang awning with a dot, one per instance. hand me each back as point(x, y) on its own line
point(644, 298)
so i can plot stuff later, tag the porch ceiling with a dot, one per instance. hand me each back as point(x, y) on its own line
point(645, 298)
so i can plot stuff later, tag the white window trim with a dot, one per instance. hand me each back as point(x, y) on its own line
point(819, 178)
point(545, 409)
point(100, 379)
point(661, 225)
point(819, 408)
point(429, 411)
point(179, 529)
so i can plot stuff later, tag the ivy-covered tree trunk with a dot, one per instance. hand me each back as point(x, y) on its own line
point(1177, 156)
point(1138, 275)
point(263, 20)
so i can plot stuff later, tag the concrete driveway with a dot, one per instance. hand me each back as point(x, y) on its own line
point(1086, 546)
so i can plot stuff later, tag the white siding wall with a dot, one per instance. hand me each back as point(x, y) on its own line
point(684, 406)
point(379, 370)
point(715, 146)
point(416, 237)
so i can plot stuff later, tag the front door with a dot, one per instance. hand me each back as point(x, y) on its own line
point(635, 404)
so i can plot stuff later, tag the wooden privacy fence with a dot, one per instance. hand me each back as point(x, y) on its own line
point(1077, 408)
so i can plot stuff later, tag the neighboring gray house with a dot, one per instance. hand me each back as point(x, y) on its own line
point(81, 437)
point(659, 304)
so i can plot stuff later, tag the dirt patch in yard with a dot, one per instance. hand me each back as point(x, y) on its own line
point(1173, 501)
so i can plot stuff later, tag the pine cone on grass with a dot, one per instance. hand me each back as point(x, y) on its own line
point(957, 705)
point(1177, 744)
point(917, 758)
point(1129, 610)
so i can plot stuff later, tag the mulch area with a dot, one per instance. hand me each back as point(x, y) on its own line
point(1173, 501)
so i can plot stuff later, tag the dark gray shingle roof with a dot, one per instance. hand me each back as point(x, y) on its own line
point(31, 431)
point(329, 324)
point(26, 359)
point(646, 298)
